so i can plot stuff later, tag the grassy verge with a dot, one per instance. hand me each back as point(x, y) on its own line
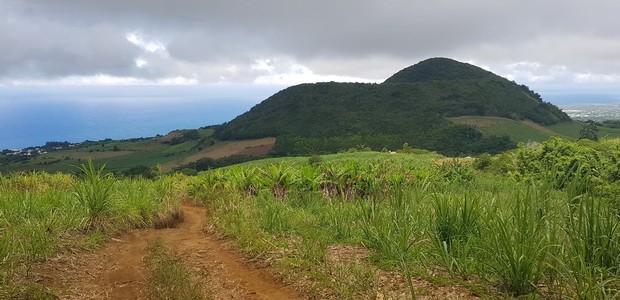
point(42, 214)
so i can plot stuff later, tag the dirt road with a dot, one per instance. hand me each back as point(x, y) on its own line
point(118, 269)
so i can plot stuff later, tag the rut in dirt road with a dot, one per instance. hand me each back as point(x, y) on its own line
point(118, 269)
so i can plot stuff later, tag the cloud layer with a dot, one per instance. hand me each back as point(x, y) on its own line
point(286, 42)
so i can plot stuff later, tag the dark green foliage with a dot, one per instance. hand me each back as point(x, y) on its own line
point(140, 171)
point(438, 69)
point(12, 159)
point(51, 145)
point(611, 123)
point(189, 135)
point(314, 159)
point(589, 131)
point(483, 161)
point(207, 163)
point(412, 107)
point(559, 162)
point(455, 171)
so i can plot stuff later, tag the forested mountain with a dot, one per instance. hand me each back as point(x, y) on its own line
point(410, 107)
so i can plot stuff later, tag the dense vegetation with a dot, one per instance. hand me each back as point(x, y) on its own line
point(540, 220)
point(412, 106)
point(546, 225)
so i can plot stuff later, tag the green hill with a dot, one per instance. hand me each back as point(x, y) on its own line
point(439, 69)
point(410, 107)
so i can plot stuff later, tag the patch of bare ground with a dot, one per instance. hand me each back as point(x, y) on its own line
point(394, 286)
point(118, 269)
point(231, 148)
point(260, 150)
point(257, 147)
point(390, 284)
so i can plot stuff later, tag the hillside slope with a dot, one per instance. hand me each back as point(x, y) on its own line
point(411, 106)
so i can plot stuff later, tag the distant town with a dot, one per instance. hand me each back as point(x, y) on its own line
point(33, 151)
point(592, 111)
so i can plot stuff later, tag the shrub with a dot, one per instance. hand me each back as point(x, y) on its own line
point(314, 159)
point(483, 161)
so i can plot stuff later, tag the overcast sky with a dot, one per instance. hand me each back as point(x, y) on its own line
point(555, 44)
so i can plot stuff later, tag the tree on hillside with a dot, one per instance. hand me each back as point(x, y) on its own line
point(588, 131)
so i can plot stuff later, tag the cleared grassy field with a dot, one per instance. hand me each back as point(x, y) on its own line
point(404, 159)
point(518, 131)
point(571, 130)
point(523, 131)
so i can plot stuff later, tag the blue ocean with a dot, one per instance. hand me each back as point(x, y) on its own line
point(31, 116)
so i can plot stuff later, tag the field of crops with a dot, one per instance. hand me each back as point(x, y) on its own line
point(539, 222)
point(550, 235)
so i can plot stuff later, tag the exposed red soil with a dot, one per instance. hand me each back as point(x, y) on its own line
point(260, 150)
point(118, 270)
point(255, 148)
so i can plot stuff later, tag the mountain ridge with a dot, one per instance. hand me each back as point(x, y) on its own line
point(412, 106)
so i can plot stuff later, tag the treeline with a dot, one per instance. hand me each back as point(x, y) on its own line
point(450, 140)
point(611, 123)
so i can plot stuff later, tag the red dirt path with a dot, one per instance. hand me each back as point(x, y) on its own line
point(118, 269)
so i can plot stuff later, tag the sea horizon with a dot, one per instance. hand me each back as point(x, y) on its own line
point(32, 116)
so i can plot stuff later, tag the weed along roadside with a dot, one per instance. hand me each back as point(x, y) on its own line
point(534, 222)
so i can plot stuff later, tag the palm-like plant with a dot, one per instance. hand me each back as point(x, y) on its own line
point(244, 179)
point(308, 178)
point(94, 191)
point(278, 179)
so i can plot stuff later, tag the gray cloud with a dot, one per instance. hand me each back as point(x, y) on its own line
point(213, 41)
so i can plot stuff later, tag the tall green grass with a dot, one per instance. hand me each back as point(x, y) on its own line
point(521, 241)
point(94, 191)
point(532, 238)
point(457, 221)
point(592, 249)
point(41, 214)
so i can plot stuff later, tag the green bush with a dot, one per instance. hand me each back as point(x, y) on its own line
point(314, 159)
point(483, 161)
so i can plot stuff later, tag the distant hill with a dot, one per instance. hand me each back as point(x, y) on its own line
point(470, 90)
point(439, 69)
point(412, 106)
